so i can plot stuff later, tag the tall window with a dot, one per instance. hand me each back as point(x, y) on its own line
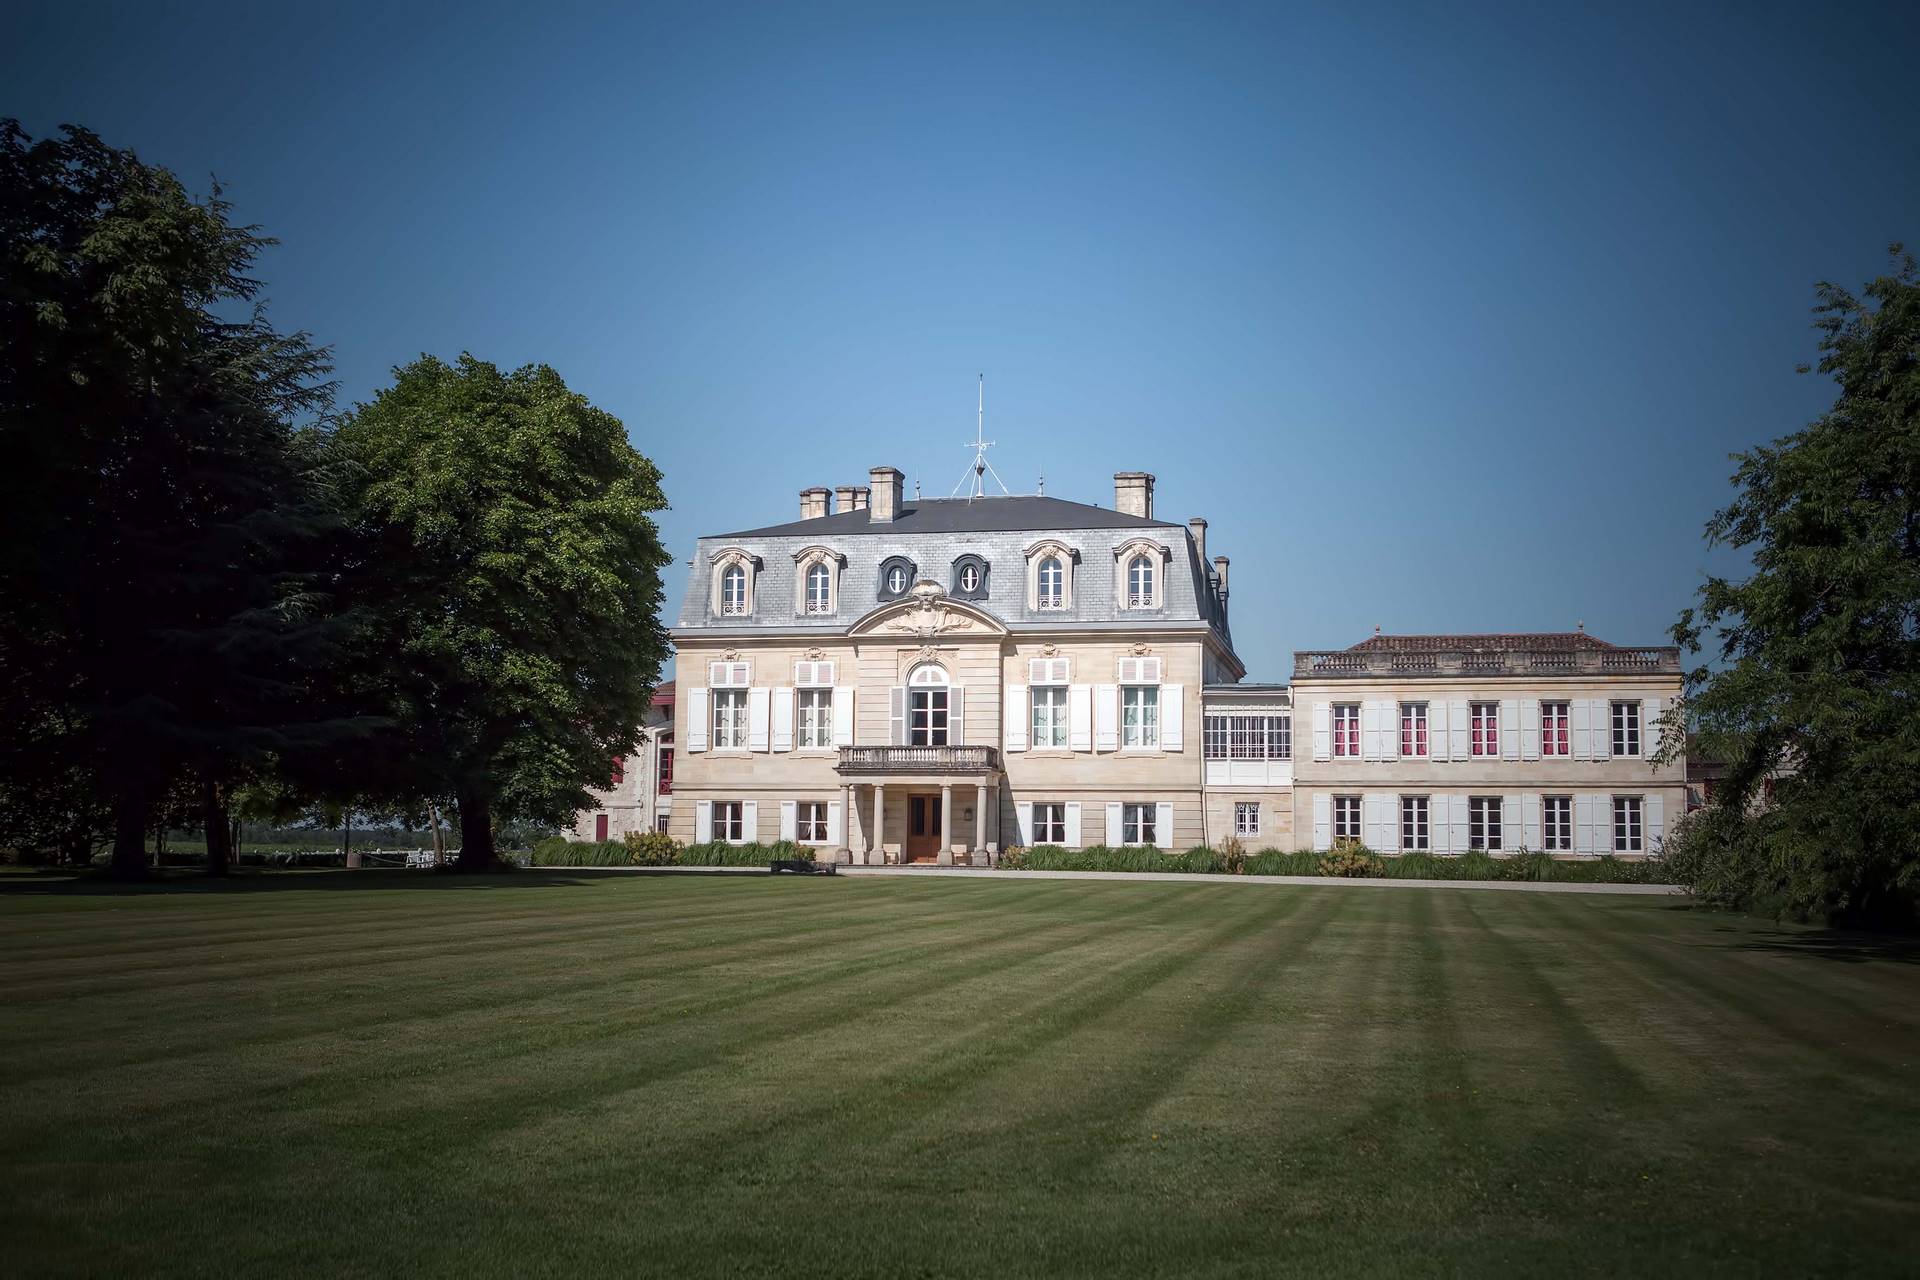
point(1413, 731)
point(619, 770)
point(729, 718)
point(1140, 583)
point(1346, 818)
point(1137, 824)
point(810, 822)
point(1626, 728)
point(1140, 715)
point(1049, 824)
point(1554, 737)
point(1346, 729)
point(1626, 823)
point(1246, 818)
point(816, 717)
point(819, 589)
point(733, 590)
point(1049, 715)
point(1486, 729)
point(665, 787)
point(1249, 737)
point(927, 707)
point(1483, 822)
point(729, 821)
point(1052, 589)
point(1556, 823)
point(1414, 834)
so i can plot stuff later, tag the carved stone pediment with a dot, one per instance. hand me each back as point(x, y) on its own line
point(926, 613)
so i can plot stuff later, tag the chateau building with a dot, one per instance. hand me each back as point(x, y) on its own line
point(639, 797)
point(886, 680)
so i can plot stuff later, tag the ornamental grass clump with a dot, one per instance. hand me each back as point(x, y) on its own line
point(1284, 862)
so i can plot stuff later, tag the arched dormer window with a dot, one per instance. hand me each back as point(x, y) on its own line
point(969, 578)
point(816, 581)
point(1140, 574)
point(1050, 576)
point(734, 575)
point(896, 577)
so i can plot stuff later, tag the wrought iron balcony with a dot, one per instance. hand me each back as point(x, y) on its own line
point(1426, 663)
point(879, 761)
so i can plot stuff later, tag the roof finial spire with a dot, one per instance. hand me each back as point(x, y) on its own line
point(1042, 490)
point(975, 481)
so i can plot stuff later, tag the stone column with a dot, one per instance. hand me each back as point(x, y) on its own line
point(877, 838)
point(847, 815)
point(979, 857)
point(946, 825)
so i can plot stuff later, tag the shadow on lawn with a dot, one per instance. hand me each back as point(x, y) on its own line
point(59, 882)
point(1844, 945)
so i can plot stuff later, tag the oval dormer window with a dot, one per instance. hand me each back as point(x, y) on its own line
point(969, 577)
point(897, 581)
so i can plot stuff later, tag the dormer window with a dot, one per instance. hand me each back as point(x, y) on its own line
point(896, 577)
point(734, 572)
point(1053, 584)
point(733, 590)
point(1050, 576)
point(819, 589)
point(816, 580)
point(1139, 573)
point(970, 578)
point(1140, 593)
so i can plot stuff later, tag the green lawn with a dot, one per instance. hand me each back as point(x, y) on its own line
point(559, 1073)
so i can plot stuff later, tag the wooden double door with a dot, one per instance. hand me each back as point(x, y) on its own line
point(923, 827)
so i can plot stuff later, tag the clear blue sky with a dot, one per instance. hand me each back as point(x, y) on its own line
point(1445, 316)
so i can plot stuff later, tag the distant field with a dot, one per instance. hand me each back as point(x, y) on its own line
point(566, 1072)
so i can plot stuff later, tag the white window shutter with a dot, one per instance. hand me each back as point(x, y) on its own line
point(1601, 718)
point(1578, 711)
point(1530, 810)
point(843, 716)
point(1457, 824)
point(1173, 716)
point(1390, 732)
point(697, 718)
point(1116, 831)
point(1322, 822)
point(1080, 717)
point(1437, 739)
point(1370, 730)
point(702, 821)
point(1437, 824)
point(750, 822)
point(1017, 718)
point(1512, 835)
point(1023, 814)
point(1106, 717)
point(836, 829)
point(757, 700)
point(957, 715)
point(1649, 727)
point(1322, 731)
point(897, 715)
point(783, 719)
point(1163, 826)
point(1375, 816)
point(789, 820)
point(1457, 727)
point(1655, 810)
point(1073, 824)
point(1530, 732)
point(1510, 728)
point(1583, 835)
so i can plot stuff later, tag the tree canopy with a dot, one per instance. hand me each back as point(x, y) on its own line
point(1817, 700)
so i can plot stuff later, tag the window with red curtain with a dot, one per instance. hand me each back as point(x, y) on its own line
point(1346, 728)
point(599, 826)
point(619, 770)
point(1413, 728)
point(1553, 729)
point(1486, 728)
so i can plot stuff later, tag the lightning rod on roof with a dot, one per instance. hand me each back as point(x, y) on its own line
point(975, 481)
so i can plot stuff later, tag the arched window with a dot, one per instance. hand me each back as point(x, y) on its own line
point(1140, 583)
point(897, 580)
point(819, 589)
point(927, 706)
point(1052, 592)
point(733, 590)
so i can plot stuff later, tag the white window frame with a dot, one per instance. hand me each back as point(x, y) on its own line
point(1138, 824)
point(1246, 817)
point(1347, 820)
point(1140, 717)
point(1142, 592)
point(1048, 725)
point(810, 823)
point(1259, 735)
point(813, 710)
point(1416, 824)
point(969, 568)
point(1556, 824)
point(736, 604)
point(1416, 731)
point(1050, 822)
point(931, 725)
point(1556, 717)
point(1625, 724)
point(729, 716)
point(1629, 824)
point(730, 821)
point(1050, 595)
point(1346, 745)
point(1038, 555)
point(1483, 730)
point(818, 588)
point(1483, 822)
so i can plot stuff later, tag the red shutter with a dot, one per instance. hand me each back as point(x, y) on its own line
point(619, 770)
point(666, 771)
point(599, 826)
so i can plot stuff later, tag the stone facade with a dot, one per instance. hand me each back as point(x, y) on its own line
point(641, 799)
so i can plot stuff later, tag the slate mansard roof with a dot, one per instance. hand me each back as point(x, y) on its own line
point(933, 534)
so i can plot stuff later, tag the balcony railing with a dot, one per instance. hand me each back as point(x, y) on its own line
point(1347, 664)
point(884, 760)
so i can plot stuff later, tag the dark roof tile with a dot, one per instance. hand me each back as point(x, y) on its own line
point(960, 515)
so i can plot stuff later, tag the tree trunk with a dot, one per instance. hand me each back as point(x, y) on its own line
point(214, 821)
point(439, 848)
point(129, 837)
point(476, 833)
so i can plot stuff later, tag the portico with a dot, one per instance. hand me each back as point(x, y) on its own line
point(920, 804)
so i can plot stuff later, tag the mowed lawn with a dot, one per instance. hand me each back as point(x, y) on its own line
point(393, 1073)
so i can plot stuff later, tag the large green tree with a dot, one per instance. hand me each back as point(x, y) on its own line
point(1818, 696)
point(507, 567)
point(161, 483)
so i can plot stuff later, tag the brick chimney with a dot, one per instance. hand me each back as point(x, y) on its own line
point(1133, 494)
point(1198, 528)
point(888, 493)
point(813, 502)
